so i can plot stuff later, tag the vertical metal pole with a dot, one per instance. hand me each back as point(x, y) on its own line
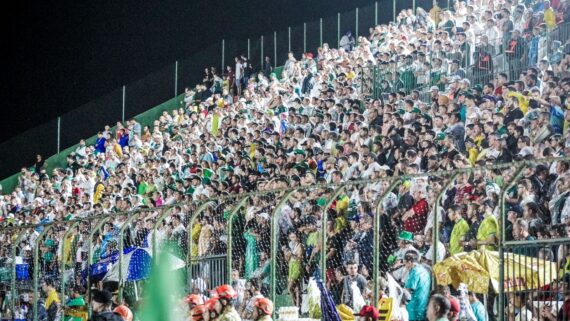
point(189, 235)
point(435, 228)
point(161, 218)
point(414, 6)
point(262, 58)
point(175, 80)
point(356, 32)
point(90, 256)
point(304, 37)
point(375, 13)
point(275, 48)
point(275, 245)
point(377, 229)
point(338, 30)
point(223, 53)
point(230, 239)
point(13, 276)
point(324, 219)
point(502, 220)
point(62, 262)
point(127, 223)
point(394, 10)
point(321, 31)
point(58, 134)
point(37, 269)
point(289, 44)
point(124, 103)
point(248, 48)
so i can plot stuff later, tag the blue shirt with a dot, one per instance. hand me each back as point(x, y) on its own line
point(479, 311)
point(556, 119)
point(419, 281)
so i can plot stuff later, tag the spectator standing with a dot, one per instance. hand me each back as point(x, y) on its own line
point(419, 285)
point(239, 74)
point(460, 229)
point(267, 67)
point(352, 277)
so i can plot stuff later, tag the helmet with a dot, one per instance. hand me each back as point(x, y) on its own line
point(210, 304)
point(124, 312)
point(198, 311)
point(194, 299)
point(226, 292)
point(264, 304)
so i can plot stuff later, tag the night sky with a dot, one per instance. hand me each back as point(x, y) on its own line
point(65, 53)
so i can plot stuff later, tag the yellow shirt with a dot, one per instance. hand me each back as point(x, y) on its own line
point(523, 101)
point(550, 18)
point(457, 236)
point(488, 227)
point(52, 297)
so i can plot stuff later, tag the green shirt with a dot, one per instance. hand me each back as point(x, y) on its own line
point(457, 234)
point(489, 227)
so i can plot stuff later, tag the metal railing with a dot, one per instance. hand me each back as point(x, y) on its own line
point(244, 234)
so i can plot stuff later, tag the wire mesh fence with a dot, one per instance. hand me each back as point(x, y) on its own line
point(278, 241)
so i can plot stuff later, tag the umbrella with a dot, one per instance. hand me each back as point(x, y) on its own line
point(328, 308)
point(477, 268)
point(137, 263)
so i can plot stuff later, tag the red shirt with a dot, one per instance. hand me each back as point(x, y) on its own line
point(417, 222)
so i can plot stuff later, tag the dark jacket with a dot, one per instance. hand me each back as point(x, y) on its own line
point(106, 316)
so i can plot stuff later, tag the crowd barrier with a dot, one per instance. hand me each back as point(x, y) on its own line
point(244, 237)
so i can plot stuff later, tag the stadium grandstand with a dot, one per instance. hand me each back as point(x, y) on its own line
point(418, 171)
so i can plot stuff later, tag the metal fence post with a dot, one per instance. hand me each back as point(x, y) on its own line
point(175, 81)
point(376, 229)
point(338, 30)
point(304, 37)
point(165, 213)
point(223, 53)
point(289, 35)
point(189, 236)
point(275, 48)
point(515, 178)
point(394, 10)
point(375, 13)
point(37, 268)
point(230, 238)
point(62, 258)
point(98, 226)
point(262, 58)
point(321, 31)
point(356, 29)
point(249, 49)
point(435, 231)
point(324, 219)
point(275, 243)
point(124, 103)
point(13, 276)
point(127, 223)
point(58, 134)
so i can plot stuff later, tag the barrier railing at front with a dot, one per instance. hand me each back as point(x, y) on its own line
point(276, 239)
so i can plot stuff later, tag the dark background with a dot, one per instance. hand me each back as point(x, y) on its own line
point(63, 54)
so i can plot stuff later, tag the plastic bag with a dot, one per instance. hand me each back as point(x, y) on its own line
point(314, 300)
point(357, 298)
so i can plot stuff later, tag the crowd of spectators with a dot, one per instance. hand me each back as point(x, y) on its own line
point(483, 83)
